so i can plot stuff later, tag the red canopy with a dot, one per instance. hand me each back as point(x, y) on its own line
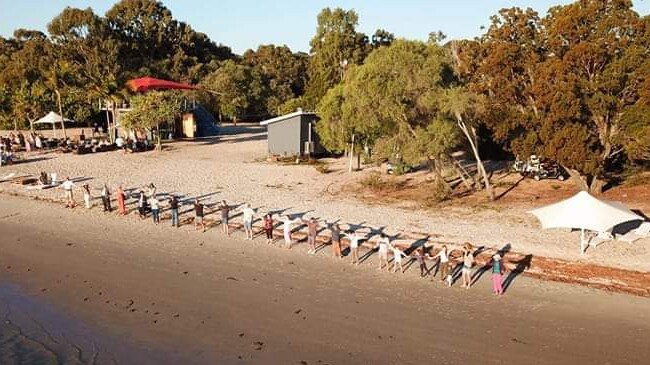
point(144, 84)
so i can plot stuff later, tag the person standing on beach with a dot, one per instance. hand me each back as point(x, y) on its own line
point(312, 231)
point(336, 240)
point(397, 258)
point(198, 215)
point(268, 228)
point(106, 198)
point(497, 272)
point(354, 238)
point(421, 257)
point(443, 255)
point(68, 186)
point(173, 206)
point(142, 205)
point(382, 251)
point(286, 230)
point(121, 198)
point(151, 190)
point(155, 209)
point(225, 211)
point(248, 215)
point(87, 202)
point(468, 262)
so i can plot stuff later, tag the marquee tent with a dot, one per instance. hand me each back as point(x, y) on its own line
point(585, 212)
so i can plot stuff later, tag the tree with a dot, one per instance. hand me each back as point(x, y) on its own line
point(236, 87)
point(391, 103)
point(150, 110)
point(336, 46)
point(560, 85)
point(382, 38)
point(283, 75)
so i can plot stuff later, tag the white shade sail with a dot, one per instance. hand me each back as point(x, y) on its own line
point(51, 118)
point(583, 211)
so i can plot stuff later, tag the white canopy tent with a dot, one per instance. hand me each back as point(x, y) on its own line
point(52, 118)
point(585, 212)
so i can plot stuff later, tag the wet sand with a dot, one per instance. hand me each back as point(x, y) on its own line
point(208, 298)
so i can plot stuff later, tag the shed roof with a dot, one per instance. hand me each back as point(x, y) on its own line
point(286, 116)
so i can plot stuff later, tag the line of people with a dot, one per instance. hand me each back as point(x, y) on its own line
point(147, 202)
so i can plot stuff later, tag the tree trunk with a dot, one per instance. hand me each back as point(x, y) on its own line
point(596, 186)
point(58, 99)
point(580, 180)
point(359, 161)
point(159, 144)
point(351, 154)
point(479, 163)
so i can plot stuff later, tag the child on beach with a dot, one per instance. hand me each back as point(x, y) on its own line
point(268, 228)
point(497, 271)
point(397, 258)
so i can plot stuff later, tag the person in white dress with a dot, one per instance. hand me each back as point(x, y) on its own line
point(397, 258)
point(382, 251)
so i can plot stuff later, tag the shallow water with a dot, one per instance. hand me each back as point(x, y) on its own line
point(33, 331)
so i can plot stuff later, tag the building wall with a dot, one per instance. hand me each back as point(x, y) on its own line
point(284, 137)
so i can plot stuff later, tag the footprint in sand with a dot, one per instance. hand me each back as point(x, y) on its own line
point(185, 272)
point(241, 334)
point(297, 311)
point(85, 299)
point(176, 315)
point(8, 267)
point(258, 345)
point(44, 290)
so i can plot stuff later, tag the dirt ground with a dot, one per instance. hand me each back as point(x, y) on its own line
point(214, 299)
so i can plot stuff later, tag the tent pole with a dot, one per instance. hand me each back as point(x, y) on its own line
point(582, 241)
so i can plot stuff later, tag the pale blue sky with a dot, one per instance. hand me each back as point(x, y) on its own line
point(243, 24)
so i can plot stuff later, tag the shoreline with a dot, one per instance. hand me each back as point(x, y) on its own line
point(209, 297)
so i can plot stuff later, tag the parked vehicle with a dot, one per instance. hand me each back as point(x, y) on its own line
point(539, 169)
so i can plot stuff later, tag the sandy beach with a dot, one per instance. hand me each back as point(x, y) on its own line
point(209, 298)
point(233, 167)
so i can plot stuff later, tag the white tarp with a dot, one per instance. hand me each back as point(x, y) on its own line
point(583, 211)
point(51, 118)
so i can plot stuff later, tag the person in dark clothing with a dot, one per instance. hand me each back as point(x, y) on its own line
point(173, 205)
point(198, 215)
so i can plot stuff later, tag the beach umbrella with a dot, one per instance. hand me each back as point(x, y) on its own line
point(144, 84)
point(585, 212)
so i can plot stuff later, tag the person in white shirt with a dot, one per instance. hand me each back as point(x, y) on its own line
point(286, 228)
point(155, 209)
point(397, 258)
point(444, 265)
point(248, 214)
point(67, 186)
point(354, 246)
point(119, 142)
point(468, 262)
point(382, 251)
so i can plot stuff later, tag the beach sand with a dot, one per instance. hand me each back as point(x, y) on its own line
point(208, 298)
point(232, 167)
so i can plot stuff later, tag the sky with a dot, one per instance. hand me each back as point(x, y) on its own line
point(244, 24)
